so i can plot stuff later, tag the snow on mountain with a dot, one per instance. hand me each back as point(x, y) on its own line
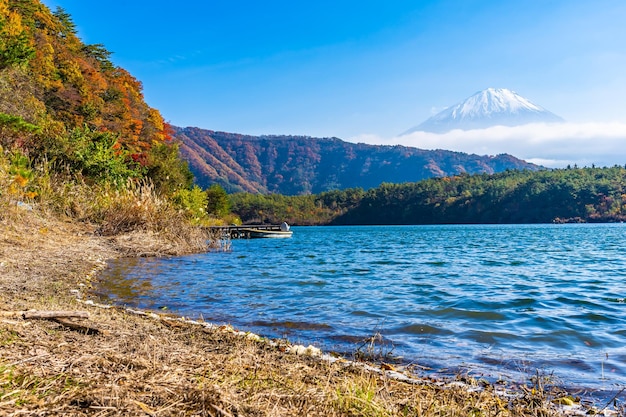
point(487, 108)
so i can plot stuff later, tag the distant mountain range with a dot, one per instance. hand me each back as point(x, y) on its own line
point(294, 165)
point(487, 108)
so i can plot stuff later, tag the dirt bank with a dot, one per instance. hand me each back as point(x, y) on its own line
point(119, 363)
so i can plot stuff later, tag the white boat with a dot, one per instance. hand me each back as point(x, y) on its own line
point(257, 233)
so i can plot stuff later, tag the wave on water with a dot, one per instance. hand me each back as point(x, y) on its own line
point(483, 298)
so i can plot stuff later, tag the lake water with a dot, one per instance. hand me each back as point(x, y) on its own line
point(500, 301)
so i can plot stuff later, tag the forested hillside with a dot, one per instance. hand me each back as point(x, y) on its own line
point(564, 195)
point(294, 165)
point(65, 101)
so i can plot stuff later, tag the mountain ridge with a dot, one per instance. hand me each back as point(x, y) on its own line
point(295, 165)
point(487, 108)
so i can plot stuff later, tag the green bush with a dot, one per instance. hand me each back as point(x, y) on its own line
point(166, 169)
point(193, 201)
point(95, 155)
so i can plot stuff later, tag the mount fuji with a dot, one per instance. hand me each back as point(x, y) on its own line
point(487, 108)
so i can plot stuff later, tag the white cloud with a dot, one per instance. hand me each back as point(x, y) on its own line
point(551, 145)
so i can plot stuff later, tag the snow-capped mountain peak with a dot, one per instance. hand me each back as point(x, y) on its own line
point(493, 101)
point(487, 108)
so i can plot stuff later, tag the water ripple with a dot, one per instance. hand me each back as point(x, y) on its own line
point(493, 298)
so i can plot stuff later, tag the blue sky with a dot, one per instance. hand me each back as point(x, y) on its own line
point(369, 70)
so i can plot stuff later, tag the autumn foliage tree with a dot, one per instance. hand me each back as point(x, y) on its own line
point(54, 88)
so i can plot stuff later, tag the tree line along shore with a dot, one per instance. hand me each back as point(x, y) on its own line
point(569, 195)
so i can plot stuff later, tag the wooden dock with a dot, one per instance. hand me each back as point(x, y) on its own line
point(245, 232)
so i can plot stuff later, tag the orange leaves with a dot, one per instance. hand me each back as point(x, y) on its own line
point(138, 124)
point(19, 188)
point(20, 180)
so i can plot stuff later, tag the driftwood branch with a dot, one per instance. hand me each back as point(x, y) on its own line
point(77, 327)
point(11, 313)
point(61, 317)
point(55, 314)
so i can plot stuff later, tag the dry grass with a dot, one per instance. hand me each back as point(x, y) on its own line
point(141, 367)
point(141, 222)
point(136, 218)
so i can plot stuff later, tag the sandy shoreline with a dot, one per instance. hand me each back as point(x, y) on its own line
point(134, 364)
